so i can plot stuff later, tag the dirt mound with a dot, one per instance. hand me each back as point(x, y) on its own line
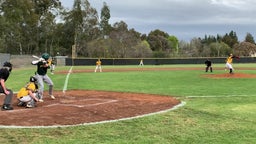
point(228, 75)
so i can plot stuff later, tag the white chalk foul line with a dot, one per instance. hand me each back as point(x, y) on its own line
point(66, 80)
point(218, 96)
point(19, 110)
point(101, 122)
point(80, 106)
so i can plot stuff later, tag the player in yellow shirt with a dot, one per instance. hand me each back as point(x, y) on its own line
point(27, 96)
point(229, 61)
point(51, 62)
point(98, 66)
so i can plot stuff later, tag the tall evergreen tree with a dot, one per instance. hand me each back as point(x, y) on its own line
point(230, 39)
point(249, 38)
point(82, 22)
point(104, 22)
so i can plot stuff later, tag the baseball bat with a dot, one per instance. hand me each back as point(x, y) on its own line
point(34, 62)
point(34, 56)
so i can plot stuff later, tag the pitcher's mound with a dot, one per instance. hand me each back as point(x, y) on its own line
point(228, 75)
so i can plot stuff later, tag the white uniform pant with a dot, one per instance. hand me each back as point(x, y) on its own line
point(52, 67)
point(229, 66)
point(27, 98)
point(98, 67)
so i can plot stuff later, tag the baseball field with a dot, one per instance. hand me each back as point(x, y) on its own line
point(217, 108)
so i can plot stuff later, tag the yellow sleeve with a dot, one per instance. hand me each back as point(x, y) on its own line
point(49, 62)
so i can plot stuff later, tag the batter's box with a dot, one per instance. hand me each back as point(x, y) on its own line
point(82, 103)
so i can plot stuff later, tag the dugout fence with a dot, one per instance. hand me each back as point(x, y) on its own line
point(4, 57)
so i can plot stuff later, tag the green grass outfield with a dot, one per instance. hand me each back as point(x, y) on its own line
point(217, 111)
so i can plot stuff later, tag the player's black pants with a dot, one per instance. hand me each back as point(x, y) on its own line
point(8, 98)
point(207, 68)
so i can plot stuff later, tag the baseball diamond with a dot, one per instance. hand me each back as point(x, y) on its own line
point(74, 107)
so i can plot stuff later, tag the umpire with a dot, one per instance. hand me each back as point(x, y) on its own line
point(208, 64)
point(4, 74)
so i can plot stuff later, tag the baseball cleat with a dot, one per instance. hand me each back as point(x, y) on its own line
point(29, 106)
point(41, 100)
point(7, 107)
point(52, 97)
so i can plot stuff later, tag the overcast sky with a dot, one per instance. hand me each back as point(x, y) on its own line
point(184, 19)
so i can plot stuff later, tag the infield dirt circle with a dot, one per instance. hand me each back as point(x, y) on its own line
point(80, 107)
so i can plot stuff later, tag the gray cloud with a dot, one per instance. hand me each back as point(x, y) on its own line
point(185, 19)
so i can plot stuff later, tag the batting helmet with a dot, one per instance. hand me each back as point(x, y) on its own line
point(9, 65)
point(45, 56)
point(32, 79)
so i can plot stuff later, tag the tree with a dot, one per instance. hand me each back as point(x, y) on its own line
point(3, 45)
point(24, 30)
point(173, 44)
point(142, 50)
point(82, 22)
point(159, 43)
point(124, 39)
point(183, 48)
point(96, 48)
point(245, 49)
point(158, 40)
point(219, 49)
point(196, 47)
point(208, 39)
point(249, 38)
point(104, 23)
point(230, 39)
point(21, 22)
point(47, 11)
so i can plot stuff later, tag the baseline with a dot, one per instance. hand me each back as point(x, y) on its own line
point(219, 96)
point(80, 106)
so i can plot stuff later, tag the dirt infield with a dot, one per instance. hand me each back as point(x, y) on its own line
point(227, 75)
point(79, 107)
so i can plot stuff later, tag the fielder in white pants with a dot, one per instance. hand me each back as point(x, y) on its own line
point(98, 66)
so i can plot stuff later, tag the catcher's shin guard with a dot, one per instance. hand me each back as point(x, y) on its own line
point(21, 104)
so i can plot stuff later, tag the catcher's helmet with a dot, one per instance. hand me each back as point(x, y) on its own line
point(9, 65)
point(45, 56)
point(32, 79)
